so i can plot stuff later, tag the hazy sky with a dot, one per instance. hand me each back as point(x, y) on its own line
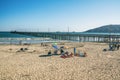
point(57, 15)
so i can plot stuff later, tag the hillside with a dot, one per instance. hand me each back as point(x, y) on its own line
point(106, 29)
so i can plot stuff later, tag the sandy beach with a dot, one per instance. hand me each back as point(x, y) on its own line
point(28, 65)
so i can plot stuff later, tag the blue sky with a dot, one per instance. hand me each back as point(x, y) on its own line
point(57, 15)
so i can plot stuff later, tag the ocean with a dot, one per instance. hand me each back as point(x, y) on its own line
point(10, 38)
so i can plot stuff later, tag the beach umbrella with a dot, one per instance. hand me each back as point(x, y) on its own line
point(55, 46)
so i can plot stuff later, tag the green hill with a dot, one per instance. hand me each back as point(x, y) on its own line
point(106, 29)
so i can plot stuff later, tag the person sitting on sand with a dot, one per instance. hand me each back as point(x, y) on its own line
point(63, 54)
point(76, 54)
point(49, 53)
point(61, 51)
point(81, 54)
point(56, 52)
point(85, 54)
point(66, 55)
point(71, 55)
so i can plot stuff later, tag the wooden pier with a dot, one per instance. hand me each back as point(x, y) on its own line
point(75, 36)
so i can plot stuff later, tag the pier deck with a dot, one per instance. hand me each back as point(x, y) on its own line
point(75, 36)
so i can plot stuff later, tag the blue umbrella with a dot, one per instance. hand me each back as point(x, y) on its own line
point(55, 46)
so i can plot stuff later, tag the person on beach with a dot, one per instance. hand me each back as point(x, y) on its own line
point(118, 47)
point(56, 51)
point(66, 55)
point(49, 53)
point(85, 54)
point(80, 54)
point(74, 51)
point(41, 44)
point(110, 47)
point(61, 51)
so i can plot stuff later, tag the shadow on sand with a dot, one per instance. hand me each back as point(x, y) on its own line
point(49, 55)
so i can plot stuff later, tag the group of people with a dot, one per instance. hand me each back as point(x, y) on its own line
point(66, 54)
point(114, 46)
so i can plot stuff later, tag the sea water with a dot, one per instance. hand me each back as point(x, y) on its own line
point(10, 38)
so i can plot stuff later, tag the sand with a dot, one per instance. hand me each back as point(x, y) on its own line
point(27, 65)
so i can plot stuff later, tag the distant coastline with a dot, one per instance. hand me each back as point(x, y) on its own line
point(105, 29)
